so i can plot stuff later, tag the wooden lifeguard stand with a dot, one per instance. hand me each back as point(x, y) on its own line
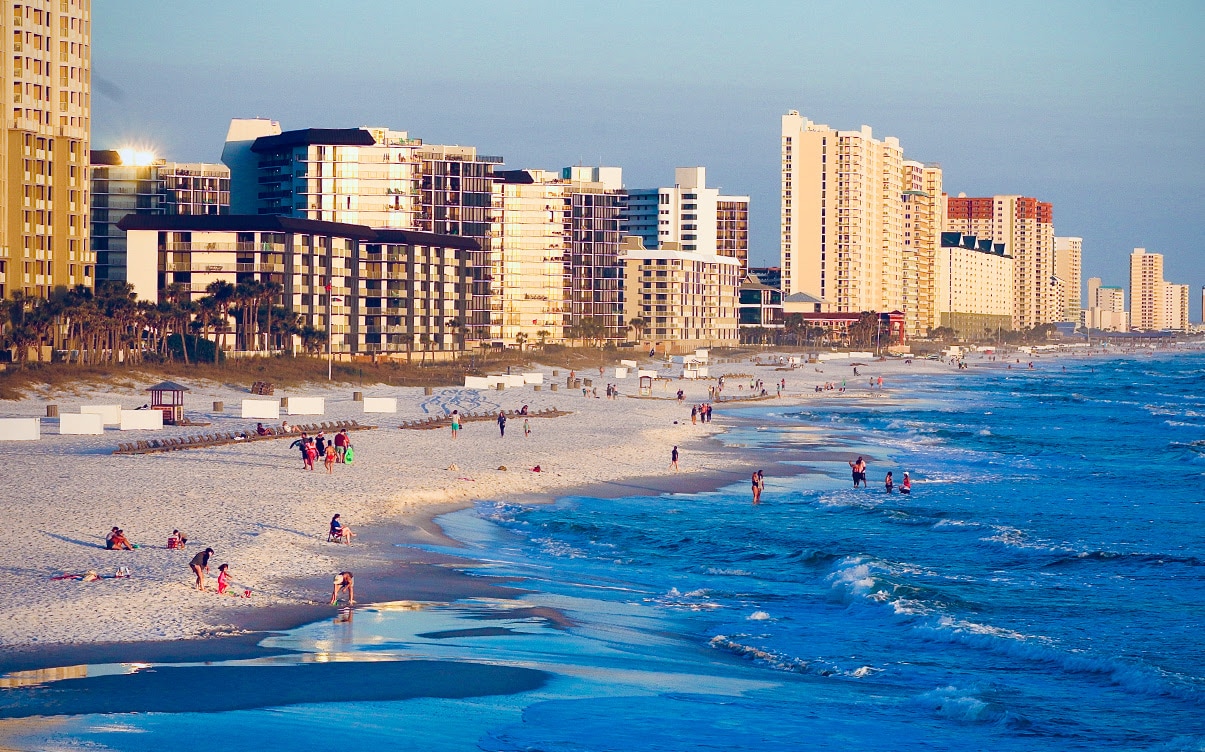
point(646, 386)
point(168, 398)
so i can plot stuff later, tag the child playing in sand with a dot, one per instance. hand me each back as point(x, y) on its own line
point(526, 427)
point(223, 578)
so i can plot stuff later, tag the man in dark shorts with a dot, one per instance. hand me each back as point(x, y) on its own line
point(858, 469)
point(200, 566)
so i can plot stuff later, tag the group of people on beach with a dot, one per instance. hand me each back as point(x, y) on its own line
point(332, 451)
point(701, 412)
point(858, 468)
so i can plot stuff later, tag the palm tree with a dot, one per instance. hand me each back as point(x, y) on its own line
point(638, 325)
point(542, 337)
point(520, 340)
point(223, 295)
point(246, 294)
point(269, 290)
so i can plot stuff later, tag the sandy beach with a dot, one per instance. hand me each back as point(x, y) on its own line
point(267, 517)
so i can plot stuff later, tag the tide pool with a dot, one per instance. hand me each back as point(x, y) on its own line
point(1041, 589)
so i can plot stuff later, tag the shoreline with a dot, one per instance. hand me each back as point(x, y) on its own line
point(386, 512)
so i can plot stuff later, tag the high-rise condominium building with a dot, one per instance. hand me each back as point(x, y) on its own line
point(842, 216)
point(686, 299)
point(371, 176)
point(1175, 307)
point(1068, 264)
point(641, 214)
point(690, 214)
point(973, 278)
point(1147, 287)
point(529, 251)
point(126, 182)
point(1106, 307)
point(45, 93)
point(924, 217)
point(456, 187)
point(1026, 227)
point(556, 252)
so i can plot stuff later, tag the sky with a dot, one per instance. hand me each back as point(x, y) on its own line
point(1095, 106)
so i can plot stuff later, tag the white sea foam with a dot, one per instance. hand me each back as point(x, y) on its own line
point(729, 572)
point(759, 616)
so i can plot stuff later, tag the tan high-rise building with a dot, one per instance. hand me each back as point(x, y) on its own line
point(1146, 290)
point(842, 217)
point(45, 90)
point(1175, 306)
point(530, 248)
point(1106, 307)
point(1068, 265)
point(1026, 227)
point(687, 299)
point(924, 219)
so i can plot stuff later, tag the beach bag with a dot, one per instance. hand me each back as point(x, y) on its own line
point(349, 455)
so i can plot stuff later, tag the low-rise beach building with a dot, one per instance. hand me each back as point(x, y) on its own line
point(376, 292)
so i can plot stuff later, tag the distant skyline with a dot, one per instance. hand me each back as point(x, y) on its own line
point(1093, 106)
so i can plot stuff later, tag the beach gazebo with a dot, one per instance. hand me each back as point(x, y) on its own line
point(646, 386)
point(168, 398)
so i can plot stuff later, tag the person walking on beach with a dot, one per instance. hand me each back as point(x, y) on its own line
point(300, 444)
point(343, 581)
point(329, 460)
point(673, 459)
point(889, 483)
point(502, 423)
point(526, 428)
point(200, 566)
point(455, 423)
point(858, 468)
point(311, 454)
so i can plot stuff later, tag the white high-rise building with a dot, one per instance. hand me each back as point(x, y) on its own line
point(842, 238)
point(701, 220)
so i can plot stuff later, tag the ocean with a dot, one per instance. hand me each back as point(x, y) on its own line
point(1042, 588)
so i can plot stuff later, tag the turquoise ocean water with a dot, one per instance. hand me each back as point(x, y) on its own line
point(1042, 589)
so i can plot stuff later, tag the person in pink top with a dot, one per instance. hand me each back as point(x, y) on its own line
point(223, 578)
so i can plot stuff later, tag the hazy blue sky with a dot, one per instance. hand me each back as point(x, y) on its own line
point(1095, 106)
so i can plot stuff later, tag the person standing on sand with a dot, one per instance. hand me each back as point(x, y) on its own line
point(200, 566)
point(526, 428)
point(342, 442)
point(343, 581)
point(311, 454)
point(330, 459)
point(673, 459)
point(694, 414)
point(502, 424)
point(455, 423)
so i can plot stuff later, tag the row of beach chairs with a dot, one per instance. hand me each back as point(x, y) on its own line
point(443, 421)
point(218, 439)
